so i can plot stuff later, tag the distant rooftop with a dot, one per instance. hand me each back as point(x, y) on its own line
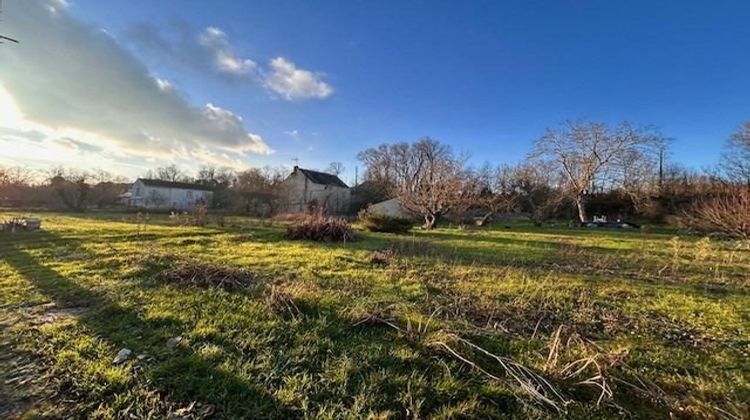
point(322, 178)
point(171, 184)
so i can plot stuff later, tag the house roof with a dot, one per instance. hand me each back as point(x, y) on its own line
point(322, 178)
point(177, 185)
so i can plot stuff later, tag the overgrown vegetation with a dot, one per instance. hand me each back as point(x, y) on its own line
point(727, 212)
point(379, 222)
point(316, 227)
point(475, 323)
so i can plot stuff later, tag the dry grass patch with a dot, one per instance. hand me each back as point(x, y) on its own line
point(381, 258)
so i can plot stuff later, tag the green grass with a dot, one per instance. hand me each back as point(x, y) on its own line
point(660, 321)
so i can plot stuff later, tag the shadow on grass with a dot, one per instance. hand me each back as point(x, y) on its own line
point(185, 376)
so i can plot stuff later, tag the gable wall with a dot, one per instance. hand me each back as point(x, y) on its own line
point(301, 193)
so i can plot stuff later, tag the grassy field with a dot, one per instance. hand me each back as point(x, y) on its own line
point(496, 323)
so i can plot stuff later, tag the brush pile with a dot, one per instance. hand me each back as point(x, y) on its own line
point(322, 229)
point(207, 275)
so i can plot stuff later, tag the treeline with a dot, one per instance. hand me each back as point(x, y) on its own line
point(577, 170)
point(59, 188)
point(77, 190)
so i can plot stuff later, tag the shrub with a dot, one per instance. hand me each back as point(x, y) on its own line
point(378, 222)
point(196, 217)
point(727, 213)
point(198, 214)
point(319, 228)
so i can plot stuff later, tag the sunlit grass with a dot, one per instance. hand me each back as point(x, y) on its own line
point(324, 332)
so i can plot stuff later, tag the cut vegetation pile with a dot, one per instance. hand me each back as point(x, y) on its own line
point(206, 275)
point(322, 229)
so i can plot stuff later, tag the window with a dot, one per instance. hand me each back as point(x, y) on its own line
point(137, 191)
point(189, 194)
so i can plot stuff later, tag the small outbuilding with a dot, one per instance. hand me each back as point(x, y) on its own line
point(391, 208)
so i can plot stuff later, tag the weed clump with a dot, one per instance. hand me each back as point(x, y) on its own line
point(381, 258)
point(322, 229)
point(282, 303)
point(378, 222)
point(206, 275)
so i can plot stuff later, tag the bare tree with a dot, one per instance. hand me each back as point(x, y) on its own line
point(495, 191)
point(426, 177)
point(537, 189)
point(736, 157)
point(72, 187)
point(263, 187)
point(107, 188)
point(16, 186)
point(216, 177)
point(15, 175)
point(335, 168)
point(220, 180)
point(595, 156)
point(725, 211)
point(167, 173)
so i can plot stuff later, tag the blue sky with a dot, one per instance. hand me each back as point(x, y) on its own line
point(486, 77)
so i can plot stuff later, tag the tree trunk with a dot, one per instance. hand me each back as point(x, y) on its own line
point(581, 204)
point(430, 220)
point(486, 218)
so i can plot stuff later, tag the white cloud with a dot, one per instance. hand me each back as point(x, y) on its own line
point(70, 80)
point(163, 84)
point(295, 84)
point(211, 50)
point(225, 60)
point(292, 133)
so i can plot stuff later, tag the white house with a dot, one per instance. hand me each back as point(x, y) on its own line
point(306, 189)
point(167, 195)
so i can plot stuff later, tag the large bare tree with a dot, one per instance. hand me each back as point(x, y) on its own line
point(427, 177)
point(593, 155)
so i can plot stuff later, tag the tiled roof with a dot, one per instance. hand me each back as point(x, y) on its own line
point(323, 178)
point(177, 185)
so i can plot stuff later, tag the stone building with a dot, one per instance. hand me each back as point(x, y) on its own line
point(308, 190)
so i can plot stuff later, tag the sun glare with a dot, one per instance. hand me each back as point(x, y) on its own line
point(10, 115)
